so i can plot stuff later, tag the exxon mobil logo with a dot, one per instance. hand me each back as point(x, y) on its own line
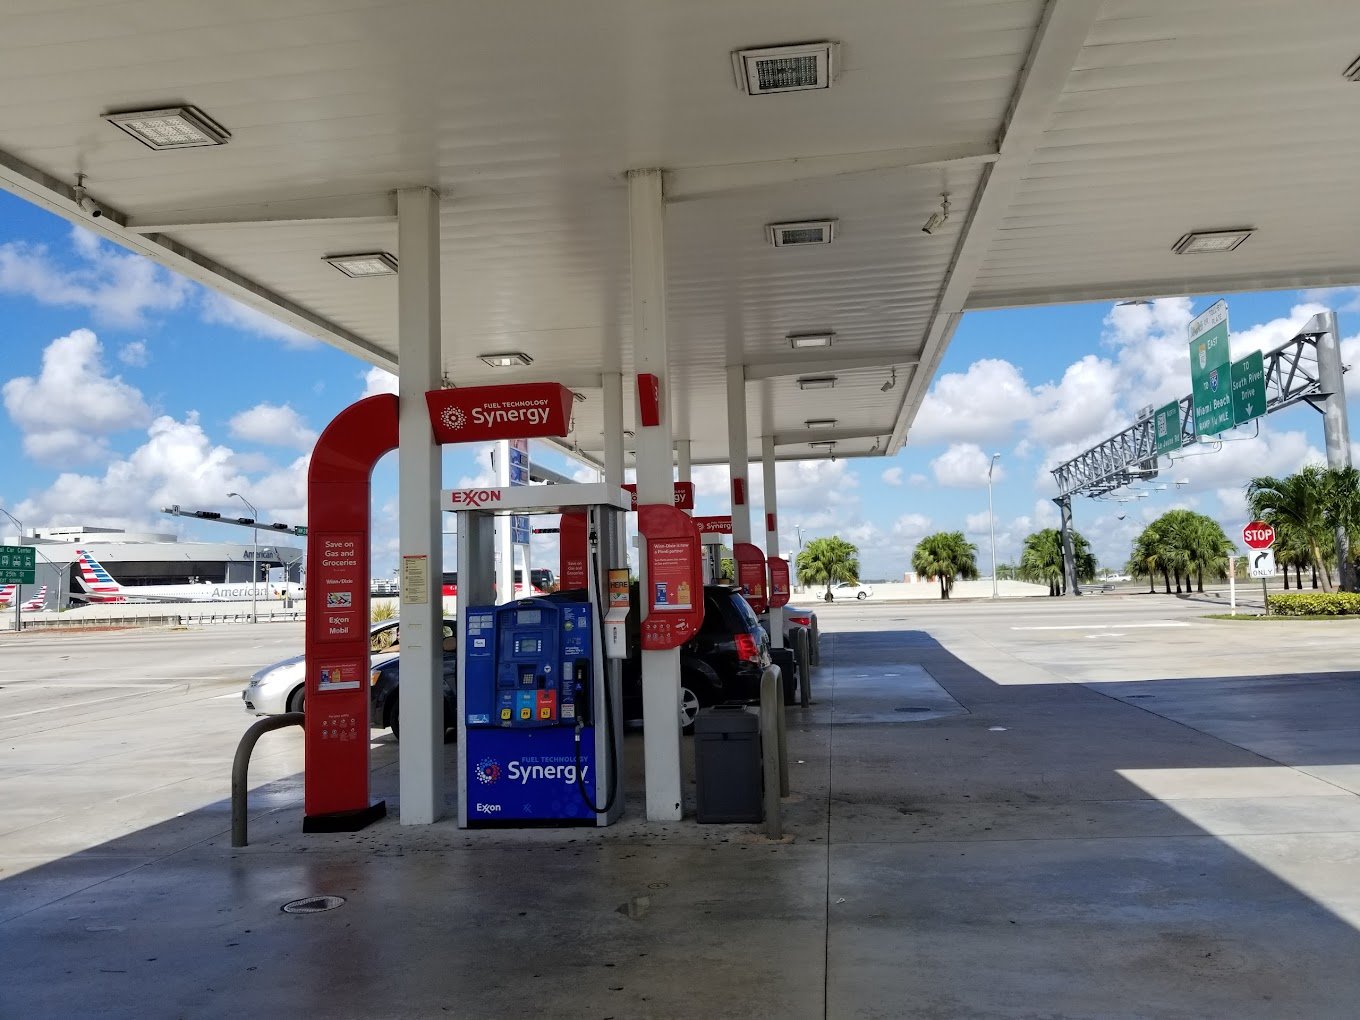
point(488, 771)
point(474, 497)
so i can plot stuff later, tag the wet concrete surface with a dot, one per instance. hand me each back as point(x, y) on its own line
point(1045, 839)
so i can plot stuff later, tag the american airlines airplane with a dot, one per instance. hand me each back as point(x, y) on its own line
point(7, 594)
point(36, 602)
point(100, 587)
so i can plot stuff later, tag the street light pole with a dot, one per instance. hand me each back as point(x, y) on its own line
point(255, 557)
point(991, 518)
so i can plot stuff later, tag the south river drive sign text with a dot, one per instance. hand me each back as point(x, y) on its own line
point(1223, 392)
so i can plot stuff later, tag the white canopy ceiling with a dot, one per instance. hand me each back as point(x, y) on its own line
point(1078, 141)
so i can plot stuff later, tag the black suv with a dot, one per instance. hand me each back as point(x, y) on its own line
point(723, 662)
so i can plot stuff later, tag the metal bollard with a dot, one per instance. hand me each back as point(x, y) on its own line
point(802, 650)
point(773, 770)
point(240, 765)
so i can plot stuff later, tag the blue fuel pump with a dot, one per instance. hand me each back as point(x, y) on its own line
point(529, 697)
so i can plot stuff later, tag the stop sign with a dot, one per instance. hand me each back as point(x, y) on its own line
point(1258, 535)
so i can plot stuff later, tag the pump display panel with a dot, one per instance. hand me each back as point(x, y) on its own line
point(527, 698)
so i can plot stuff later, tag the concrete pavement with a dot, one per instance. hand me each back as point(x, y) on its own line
point(1088, 808)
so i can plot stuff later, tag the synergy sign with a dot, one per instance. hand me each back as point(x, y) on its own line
point(523, 411)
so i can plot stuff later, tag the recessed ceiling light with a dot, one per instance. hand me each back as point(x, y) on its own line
point(820, 423)
point(1210, 242)
point(785, 235)
point(817, 382)
point(802, 341)
point(1352, 73)
point(794, 68)
point(823, 446)
point(177, 127)
point(507, 360)
point(361, 265)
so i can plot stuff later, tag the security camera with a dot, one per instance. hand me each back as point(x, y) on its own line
point(83, 200)
point(938, 219)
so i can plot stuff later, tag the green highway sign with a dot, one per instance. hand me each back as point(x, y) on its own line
point(18, 564)
point(1248, 388)
point(1167, 427)
point(1210, 385)
point(301, 529)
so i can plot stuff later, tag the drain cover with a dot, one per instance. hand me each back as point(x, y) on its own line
point(916, 709)
point(313, 904)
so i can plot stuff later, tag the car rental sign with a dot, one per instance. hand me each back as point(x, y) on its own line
point(520, 411)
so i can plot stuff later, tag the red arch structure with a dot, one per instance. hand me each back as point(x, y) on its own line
point(335, 778)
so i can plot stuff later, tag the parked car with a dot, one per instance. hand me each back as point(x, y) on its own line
point(848, 590)
point(795, 617)
point(281, 687)
point(384, 696)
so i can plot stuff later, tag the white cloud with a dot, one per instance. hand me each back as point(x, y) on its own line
point(273, 425)
point(134, 354)
point(378, 380)
point(1084, 403)
point(893, 476)
point(1342, 299)
point(986, 402)
point(917, 479)
point(964, 466)
point(178, 463)
point(224, 311)
point(978, 524)
point(911, 527)
point(118, 288)
point(67, 410)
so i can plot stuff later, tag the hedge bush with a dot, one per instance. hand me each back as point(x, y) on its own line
point(1340, 603)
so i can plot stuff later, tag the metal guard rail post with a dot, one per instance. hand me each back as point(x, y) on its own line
point(241, 764)
point(802, 650)
point(773, 750)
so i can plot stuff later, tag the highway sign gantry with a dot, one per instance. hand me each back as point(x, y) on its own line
point(1258, 535)
point(18, 564)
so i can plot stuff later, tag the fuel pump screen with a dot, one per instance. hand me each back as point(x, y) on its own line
point(528, 617)
point(528, 646)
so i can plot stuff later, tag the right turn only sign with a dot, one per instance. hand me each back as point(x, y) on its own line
point(1262, 562)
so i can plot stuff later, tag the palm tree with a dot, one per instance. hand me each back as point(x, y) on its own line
point(1342, 514)
point(1300, 500)
point(945, 555)
point(1147, 556)
point(826, 561)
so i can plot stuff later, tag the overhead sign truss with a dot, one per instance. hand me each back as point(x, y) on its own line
point(1291, 375)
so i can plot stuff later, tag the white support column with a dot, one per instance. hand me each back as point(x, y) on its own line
point(613, 427)
point(738, 454)
point(767, 464)
point(684, 468)
point(505, 549)
point(419, 480)
point(656, 484)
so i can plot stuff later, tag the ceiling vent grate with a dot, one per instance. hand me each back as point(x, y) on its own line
point(795, 68)
point(786, 235)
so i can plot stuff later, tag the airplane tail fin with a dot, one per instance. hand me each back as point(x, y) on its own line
point(37, 601)
point(96, 580)
point(7, 593)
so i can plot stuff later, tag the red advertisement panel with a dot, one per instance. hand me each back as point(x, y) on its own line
point(649, 399)
point(738, 491)
point(335, 778)
point(721, 525)
point(779, 582)
point(571, 535)
point(675, 582)
point(751, 574)
point(478, 413)
point(684, 495)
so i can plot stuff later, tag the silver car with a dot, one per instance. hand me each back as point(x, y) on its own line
point(281, 687)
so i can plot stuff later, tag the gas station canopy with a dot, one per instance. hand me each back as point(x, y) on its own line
point(1081, 145)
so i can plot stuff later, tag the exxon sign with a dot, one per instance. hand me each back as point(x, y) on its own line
point(479, 413)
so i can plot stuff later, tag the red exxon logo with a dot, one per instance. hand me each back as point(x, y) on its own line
point(474, 497)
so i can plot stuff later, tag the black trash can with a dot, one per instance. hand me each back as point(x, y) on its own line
point(727, 765)
point(788, 668)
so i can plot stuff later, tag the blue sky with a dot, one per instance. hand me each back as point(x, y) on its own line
point(126, 388)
